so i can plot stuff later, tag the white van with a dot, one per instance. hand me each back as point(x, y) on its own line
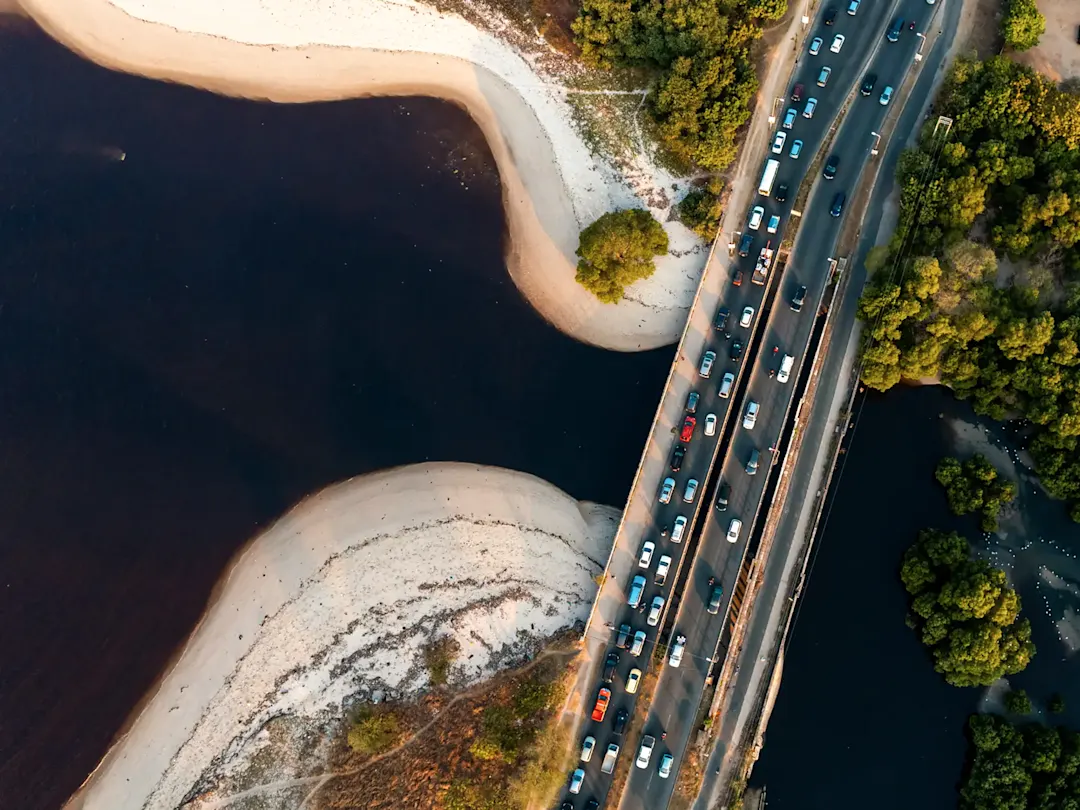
point(784, 374)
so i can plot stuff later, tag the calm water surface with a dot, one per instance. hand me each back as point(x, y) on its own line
point(255, 302)
point(862, 719)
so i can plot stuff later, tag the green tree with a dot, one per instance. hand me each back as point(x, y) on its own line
point(975, 486)
point(964, 611)
point(1017, 702)
point(618, 249)
point(1022, 25)
point(700, 210)
point(1056, 704)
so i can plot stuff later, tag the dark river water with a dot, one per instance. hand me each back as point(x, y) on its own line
point(862, 720)
point(255, 302)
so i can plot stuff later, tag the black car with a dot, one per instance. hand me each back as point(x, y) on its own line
point(736, 351)
point(609, 667)
point(722, 497)
point(868, 84)
point(780, 195)
point(692, 401)
point(797, 299)
point(592, 804)
point(722, 316)
point(830, 15)
point(566, 806)
point(677, 456)
point(714, 599)
point(830, 167)
point(838, 204)
point(624, 637)
point(621, 717)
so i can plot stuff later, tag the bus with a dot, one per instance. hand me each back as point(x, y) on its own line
point(768, 177)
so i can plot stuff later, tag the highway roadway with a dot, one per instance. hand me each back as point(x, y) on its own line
point(677, 699)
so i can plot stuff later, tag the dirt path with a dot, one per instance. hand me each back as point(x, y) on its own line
point(322, 779)
point(1058, 54)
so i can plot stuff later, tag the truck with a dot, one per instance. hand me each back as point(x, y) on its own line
point(768, 177)
point(609, 758)
point(764, 262)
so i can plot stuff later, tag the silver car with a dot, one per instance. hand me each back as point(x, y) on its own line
point(654, 611)
point(815, 46)
point(750, 419)
point(691, 490)
point(666, 490)
point(665, 766)
point(707, 360)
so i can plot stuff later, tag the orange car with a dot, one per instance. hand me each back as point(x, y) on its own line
point(600, 709)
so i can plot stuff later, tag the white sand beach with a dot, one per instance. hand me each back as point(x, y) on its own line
point(336, 600)
point(307, 50)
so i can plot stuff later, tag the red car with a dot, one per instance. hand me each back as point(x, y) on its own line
point(796, 93)
point(688, 425)
point(737, 281)
point(600, 709)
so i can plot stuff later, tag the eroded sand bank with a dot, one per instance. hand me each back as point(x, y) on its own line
point(336, 600)
point(305, 50)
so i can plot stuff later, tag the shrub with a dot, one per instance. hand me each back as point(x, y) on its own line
point(374, 731)
point(439, 656)
point(1017, 702)
point(700, 210)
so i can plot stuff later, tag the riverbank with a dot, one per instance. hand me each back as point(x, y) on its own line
point(334, 603)
point(553, 182)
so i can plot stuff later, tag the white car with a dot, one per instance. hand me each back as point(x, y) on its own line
point(639, 643)
point(707, 360)
point(886, 96)
point(677, 529)
point(757, 213)
point(665, 766)
point(778, 142)
point(796, 150)
point(645, 752)
point(675, 658)
point(789, 118)
point(576, 780)
point(654, 611)
point(774, 223)
point(710, 424)
point(633, 680)
point(815, 46)
point(823, 76)
point(691, 490)
point(733, 530)
point(663, 565)
point(588, 745)
point(750, 419)
point(747, 317)
point(647, 550)
point(666, 490)
point(837, 43)
point(853, 7)
point(808, 110)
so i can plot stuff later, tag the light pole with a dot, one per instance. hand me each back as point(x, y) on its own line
point(922, 41)
point(772, 113)
point(877, 140)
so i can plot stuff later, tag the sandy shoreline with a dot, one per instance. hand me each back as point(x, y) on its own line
point(337, 598)
point(552, 185)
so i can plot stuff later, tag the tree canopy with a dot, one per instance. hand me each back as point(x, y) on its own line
point(1021, 767)
point(964, 611)
point(618, 249)
point(975, 486)
point(1022, 25)
point(699, 51)
point(1011, 345)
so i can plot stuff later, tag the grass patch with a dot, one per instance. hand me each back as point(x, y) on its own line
point(375, 730)
point(439, 656)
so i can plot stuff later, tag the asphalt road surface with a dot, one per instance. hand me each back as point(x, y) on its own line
point(678, 695)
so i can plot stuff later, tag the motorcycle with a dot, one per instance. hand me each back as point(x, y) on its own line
point(911, 27)
point(772, 373)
